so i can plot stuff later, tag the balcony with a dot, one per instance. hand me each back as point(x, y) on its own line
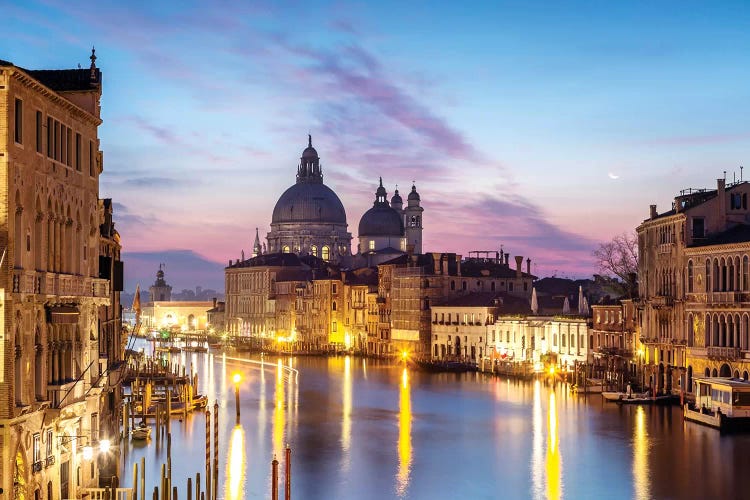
point(662, 301)
point(65, 285)
point(358, 305)
point(723, 353)
point(65, 394)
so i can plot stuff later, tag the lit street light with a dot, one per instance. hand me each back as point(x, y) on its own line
point(236, 378)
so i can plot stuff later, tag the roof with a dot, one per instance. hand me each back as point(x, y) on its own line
point(309, 202)
point(735, 383)
point(67, 80)
point(474, 299)
point(270, 259)
point(737, 234)
point(381, 220)
point(479, 268)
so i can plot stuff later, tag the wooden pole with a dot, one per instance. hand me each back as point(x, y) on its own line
point(143, 478)
point(135, 481)
point(156, 493)
point(190, 488)
point(197, 485)
point(274, 479)
point(208, 451)
point(216, 449)
point(174, 492)
point(288, 474)
point(169, 457)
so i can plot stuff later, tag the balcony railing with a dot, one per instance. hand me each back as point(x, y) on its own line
point(727, 353)
point(662, 300)
point(68, 285)
point(65, 394)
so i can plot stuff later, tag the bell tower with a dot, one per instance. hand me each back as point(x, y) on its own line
point(413, 220)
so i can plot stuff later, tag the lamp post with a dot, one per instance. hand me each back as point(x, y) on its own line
point(236, 378)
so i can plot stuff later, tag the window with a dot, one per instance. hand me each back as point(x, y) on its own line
point(699, 227)
point(48, 445)
point(372, 245)
point(708, 275)
point(19, 121)
point(91, 158)
point(333, 306)
point(333, 326)
point(333, 288)
point(78, 152)
point(68, 148)
point(562, 340)
point(510, 287)
point(314, 251)
point(95, 427)
point(50, 141)
point(453, 285)
point(690, 276)
point(735, 201)
point(326, 253)
point(554, 339)
point(37, 452)
point(285, 249)
point(39, 126)
point(463, 285)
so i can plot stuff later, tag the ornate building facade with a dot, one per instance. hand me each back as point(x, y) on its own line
point(692, 273)
point(59, 335)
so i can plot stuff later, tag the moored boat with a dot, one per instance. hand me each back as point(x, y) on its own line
point(720, 402)
point(140, 432)
point(592, 386)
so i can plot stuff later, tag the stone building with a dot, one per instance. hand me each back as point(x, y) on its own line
point(160, 291)
point(691, 278)
point(216, 317)
point(58, 334)
point(460, 326)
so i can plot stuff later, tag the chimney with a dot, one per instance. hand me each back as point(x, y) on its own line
point(722, 197)
point(519, 263)
point(653, 212)
point(507, 255)
point(528, 266)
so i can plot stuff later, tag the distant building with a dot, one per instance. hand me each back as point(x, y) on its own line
point(160, 291)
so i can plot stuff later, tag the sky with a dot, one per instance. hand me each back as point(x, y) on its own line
point(542, 127)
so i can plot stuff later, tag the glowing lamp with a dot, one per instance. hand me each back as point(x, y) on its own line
point(236, 378)
point(88, 453)
point(551, 370)
point(104, 445)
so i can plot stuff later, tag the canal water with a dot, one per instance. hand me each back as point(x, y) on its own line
point(363, 429)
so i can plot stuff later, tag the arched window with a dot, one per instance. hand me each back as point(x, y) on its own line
point(708, 275)
point(314, 250)
point(427, 283)
point(333, 306)
point(492, 286)
point(744, 273)
point(463, 285)
point(285, 249)
point(690, 276)
point(326, 253)
point(453, 285)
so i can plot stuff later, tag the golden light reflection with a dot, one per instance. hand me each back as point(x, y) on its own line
point(537, 443)
point(554, 458)
point(279, 417)
point(404, 435)
point(346, 417)
point(236, 465)
point(640, 455)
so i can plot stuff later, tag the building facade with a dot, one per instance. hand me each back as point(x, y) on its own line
point(58, 336)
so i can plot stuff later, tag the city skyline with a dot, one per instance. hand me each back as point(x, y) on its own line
point(555, 127)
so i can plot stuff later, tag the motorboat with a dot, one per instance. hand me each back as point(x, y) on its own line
point(720, 402)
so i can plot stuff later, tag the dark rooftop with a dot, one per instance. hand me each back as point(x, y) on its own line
point(737, 234)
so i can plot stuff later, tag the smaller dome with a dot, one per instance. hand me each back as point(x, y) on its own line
point(381, 221)
point(413, 195)
point(396, 200)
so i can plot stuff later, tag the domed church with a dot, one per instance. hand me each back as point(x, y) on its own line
point(309, 218)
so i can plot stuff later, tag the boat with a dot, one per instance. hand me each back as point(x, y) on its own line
point(720, 402)
point(617, 396)
point(200, 401)
point(646, 399)
point(141, 432)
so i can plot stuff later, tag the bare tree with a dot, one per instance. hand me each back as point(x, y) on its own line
point(618, 258)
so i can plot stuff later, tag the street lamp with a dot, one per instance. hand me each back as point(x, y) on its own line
point(236, 378)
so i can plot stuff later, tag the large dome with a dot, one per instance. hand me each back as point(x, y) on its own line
point(381, 221)
point(309, 202)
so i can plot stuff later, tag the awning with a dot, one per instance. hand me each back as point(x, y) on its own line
point(62, 314)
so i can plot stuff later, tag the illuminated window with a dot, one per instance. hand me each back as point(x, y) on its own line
point(403, 245)
point(314, 251)
point(326, 253)
point(372, 245)
point(285, 249)
point(334, 326)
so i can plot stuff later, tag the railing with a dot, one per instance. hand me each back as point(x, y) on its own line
point(71, 392)
point(107, 493)
point(665, 248)
point(728, 353)
point(358, 305)
point(410, 271)
point(662, 300)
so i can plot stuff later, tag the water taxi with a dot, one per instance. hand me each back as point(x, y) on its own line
point(720, 402)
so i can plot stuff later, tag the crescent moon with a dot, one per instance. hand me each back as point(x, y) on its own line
point(613, 176)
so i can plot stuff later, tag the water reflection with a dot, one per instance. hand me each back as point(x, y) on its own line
point(640, 455)
point(346, 417)
point(537, 443)
point(554, 458)
point(404, 435)
point(236, 465)
point(279, 417)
